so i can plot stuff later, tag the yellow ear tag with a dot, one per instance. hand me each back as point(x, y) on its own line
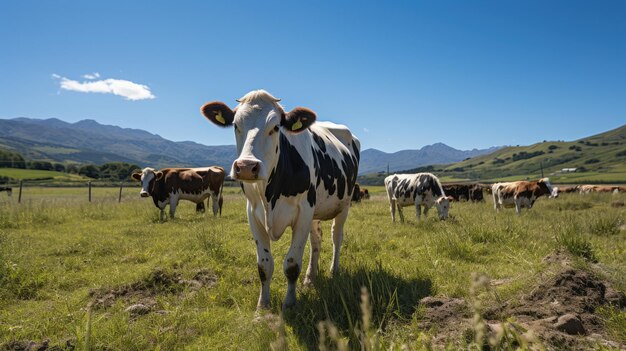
point(219, 118)
point(296, 125)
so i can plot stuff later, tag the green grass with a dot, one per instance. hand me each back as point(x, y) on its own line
point(57, 251)
point(34, 174)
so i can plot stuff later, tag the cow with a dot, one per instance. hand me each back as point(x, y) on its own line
point(458, 192)
point(357, 193)
point(8, 189)
point(365, 194)
point(294, 172)
point(519, 194)
point(567, 189)
point(169, 185)
point(420, 189)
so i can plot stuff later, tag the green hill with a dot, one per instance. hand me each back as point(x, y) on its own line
point(599, 158)
point(31, 175)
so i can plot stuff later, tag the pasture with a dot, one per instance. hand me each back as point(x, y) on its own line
point(110, 276)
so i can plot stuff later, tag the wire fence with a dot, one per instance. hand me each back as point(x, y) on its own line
point(21, 190)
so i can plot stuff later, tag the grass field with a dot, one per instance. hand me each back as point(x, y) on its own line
point(109, 276)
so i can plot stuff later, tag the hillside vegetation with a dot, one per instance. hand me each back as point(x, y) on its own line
point(596, 159)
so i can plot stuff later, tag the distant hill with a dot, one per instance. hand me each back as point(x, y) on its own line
point(88, 141)
point(600, 157)
point(373, 160)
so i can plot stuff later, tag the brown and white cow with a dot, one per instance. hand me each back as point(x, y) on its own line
point(519, 194)
point(294, 172)
point(169, 185)
point(8, 189)
point(586, 189)
point(365, 194)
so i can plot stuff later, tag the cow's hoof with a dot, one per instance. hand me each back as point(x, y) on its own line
point(289, 302)
point(308, 282)
point(262, 307)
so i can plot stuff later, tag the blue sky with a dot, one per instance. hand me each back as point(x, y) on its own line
point(400, 74)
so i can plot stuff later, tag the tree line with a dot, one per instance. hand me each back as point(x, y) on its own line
point(107, 171)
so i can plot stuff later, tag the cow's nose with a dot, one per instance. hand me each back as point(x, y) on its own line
point(247, 169)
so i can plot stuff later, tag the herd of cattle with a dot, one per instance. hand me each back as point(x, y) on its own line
point(296, 172)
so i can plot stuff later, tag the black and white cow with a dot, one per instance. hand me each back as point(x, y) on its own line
point(420, 189)
point(294, 173)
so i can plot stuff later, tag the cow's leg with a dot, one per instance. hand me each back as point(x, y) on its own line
point(292, 265)
point(518, 206)
point(162, 214)
point(215, 204)
point(495, 202)
point(400, 212)
point(220, 202)
point(392, 208)
point(173, 204)
point(264, 259)
point(316, 245)
point(337, 231)
point(418, 210)
point(426, 209)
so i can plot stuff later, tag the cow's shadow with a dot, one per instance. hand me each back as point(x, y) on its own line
point(338, 299)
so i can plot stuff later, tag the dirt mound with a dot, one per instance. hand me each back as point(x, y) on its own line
point(560, 311)
point(30, 345)
point(141, 295)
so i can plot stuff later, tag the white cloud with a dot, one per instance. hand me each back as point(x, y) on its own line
point(120, 87)
point(93, 75)
point(366, 130)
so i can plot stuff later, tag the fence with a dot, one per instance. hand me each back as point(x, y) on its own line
point(20, 189)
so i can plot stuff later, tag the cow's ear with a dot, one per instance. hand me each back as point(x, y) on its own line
point(218, 113)
point(136, 176)
point(298, 119)
point(158, 175)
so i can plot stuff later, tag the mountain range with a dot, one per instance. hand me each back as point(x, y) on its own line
point(88, 141)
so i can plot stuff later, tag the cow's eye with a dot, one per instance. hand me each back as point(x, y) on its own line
point(274, 130)
point(236, 129)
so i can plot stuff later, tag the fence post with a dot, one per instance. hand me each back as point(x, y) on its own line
point(89, 184)
point(119, 199)
point(19, 196)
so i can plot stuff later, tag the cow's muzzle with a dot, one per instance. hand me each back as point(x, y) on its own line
point(144, 194)
point(246, 169)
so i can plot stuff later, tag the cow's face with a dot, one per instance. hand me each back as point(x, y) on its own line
point(443, 206)
point(555, 192)
point(258, 122)
point(545, 185)
point(147, 177)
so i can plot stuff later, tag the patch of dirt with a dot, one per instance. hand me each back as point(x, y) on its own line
point(140, 297)
point(560, 311)
point(30, 345)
